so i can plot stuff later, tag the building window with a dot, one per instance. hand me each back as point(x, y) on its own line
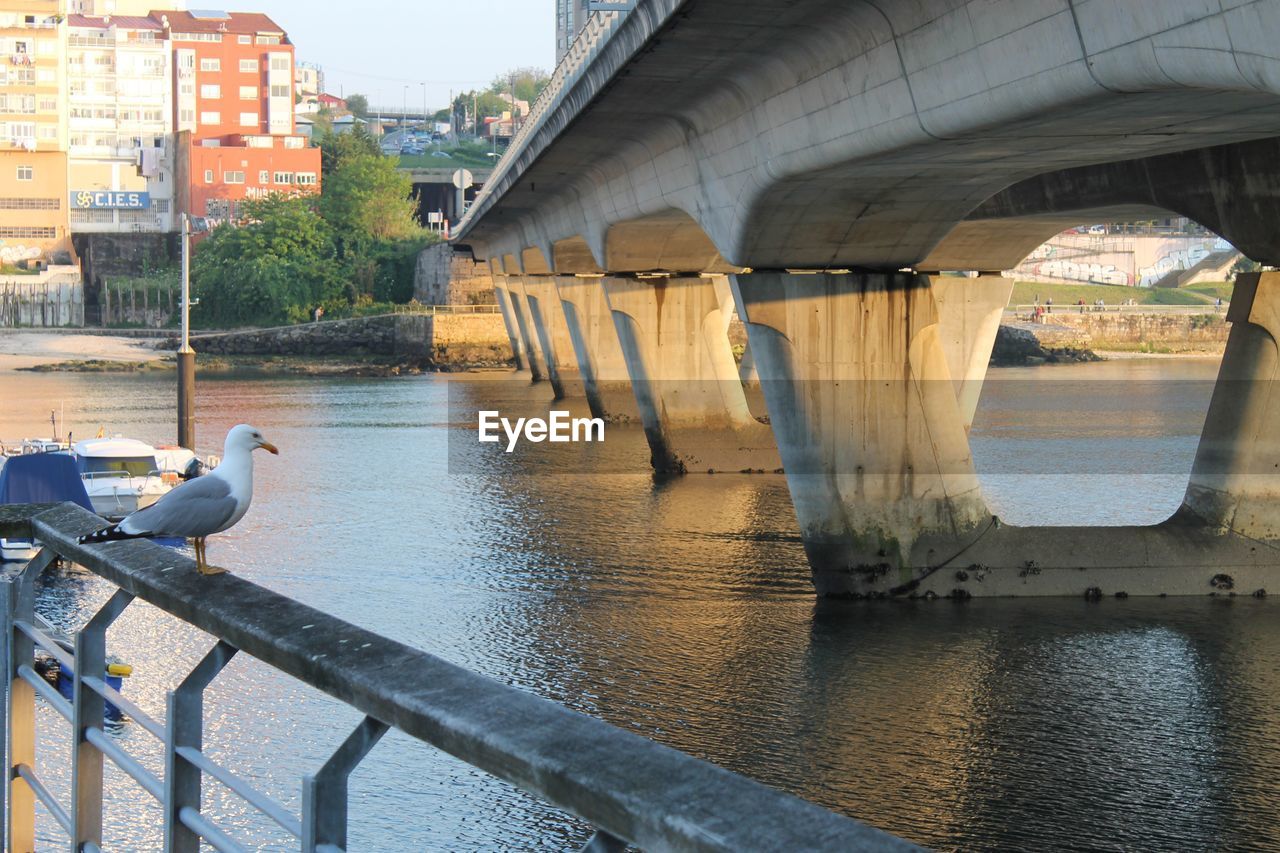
point(244, 40)
point(233, 177)
point(48, 105)
point(293, 142)
point(186, 116)
point(249, 66)
point(210, 90)
point(26, 173)
point(248, 119)
point(279, 63)
point(210, 64)
point(30, 204)
point(208, 176)
point(26, 232)
point(210, 118)
point(248, 93)
point(264, 177)
point(279, 91)
point(48, 131)
point(306, 178)
point(283, 177)
point(268, 39)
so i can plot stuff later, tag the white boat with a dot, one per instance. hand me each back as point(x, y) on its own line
point(121, 475)
point(33, 445)
point(20, 550)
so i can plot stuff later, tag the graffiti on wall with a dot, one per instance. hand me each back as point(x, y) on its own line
point(1180, 258)
point(13, 254)
point(1116, 259)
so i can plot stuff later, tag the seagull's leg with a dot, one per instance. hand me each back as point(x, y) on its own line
point(202, 561)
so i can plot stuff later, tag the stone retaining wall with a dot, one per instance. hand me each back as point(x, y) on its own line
point(445, 277)
point(1126, 330)
point(443, 341)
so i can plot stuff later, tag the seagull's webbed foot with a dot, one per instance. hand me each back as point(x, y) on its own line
point(202, 563)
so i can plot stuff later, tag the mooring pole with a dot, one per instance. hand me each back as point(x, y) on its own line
point(186, 355)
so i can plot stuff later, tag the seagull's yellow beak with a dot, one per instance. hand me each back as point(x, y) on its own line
point(269, 447)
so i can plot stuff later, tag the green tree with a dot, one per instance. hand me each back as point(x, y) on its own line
point(527, 82)
point(366, 199)
point(278, 260)
point(358, 105)
point(339, 148)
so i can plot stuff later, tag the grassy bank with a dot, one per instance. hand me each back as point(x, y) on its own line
point(1028, 292)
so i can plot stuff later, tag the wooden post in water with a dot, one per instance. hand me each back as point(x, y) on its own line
point(186, 355)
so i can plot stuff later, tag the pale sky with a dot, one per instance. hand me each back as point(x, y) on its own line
point(375, 47)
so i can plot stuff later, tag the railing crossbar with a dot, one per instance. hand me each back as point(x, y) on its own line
point(127, 763)
point(242, 789)
point(628, 788)
point(44, 641)
point(37, 787)
point(218, 839)
point(46, 691)
point(106, 691)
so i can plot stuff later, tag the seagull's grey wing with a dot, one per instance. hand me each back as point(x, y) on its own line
point(195, 508)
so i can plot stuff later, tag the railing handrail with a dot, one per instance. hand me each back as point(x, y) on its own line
point(629, 787)
point(581, 52)
point(1072, 308)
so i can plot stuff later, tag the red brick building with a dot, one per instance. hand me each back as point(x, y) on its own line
point(233, 110)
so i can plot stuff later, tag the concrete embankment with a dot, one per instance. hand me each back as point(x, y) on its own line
point(441, 341)
point(1067, 335)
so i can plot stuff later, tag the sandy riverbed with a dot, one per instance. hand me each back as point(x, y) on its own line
point(23, 348)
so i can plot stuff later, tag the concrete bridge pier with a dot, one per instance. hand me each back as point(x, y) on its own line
point(595, 342)
point(673, 332)
point(524, 323)
point(862, 403)
point(551, 333)
point(503, 297)
point(1234, 484)
point(969, 312)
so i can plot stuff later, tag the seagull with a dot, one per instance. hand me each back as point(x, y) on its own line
point(199, 507)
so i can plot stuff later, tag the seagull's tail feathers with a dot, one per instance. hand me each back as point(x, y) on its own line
point(109, 534)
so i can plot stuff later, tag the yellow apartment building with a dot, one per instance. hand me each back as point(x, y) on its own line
point(33, 136)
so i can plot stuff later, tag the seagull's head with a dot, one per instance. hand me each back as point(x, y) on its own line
point(248, 438)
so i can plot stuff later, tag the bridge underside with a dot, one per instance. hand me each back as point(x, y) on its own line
point(820, 188)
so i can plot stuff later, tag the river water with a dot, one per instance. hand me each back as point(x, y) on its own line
point(683, 611)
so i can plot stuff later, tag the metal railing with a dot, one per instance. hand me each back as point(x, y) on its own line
point(433, 310)
point(1069, 309)
point(631, 790)
point(597, 31)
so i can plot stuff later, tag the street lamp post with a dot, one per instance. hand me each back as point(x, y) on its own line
point(404, 115)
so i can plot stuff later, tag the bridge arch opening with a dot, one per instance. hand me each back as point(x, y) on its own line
point(1109, 444)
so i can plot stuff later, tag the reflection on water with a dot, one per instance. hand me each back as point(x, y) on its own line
point(683, 611)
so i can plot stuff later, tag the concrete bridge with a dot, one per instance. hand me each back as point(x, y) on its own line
point(815, 167)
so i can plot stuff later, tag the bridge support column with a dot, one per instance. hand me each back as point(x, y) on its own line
point(503, 297)
point(552, 333)
point(524, 322)
point(861, 400)
point(1235, 480)
point(969, 312)
point(673, 337)
point(595, 342)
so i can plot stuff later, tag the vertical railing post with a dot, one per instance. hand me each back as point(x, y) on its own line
point(324, 795)
point(20, 735)
point(184, 725)
point(88, 712)
point(7, 597)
